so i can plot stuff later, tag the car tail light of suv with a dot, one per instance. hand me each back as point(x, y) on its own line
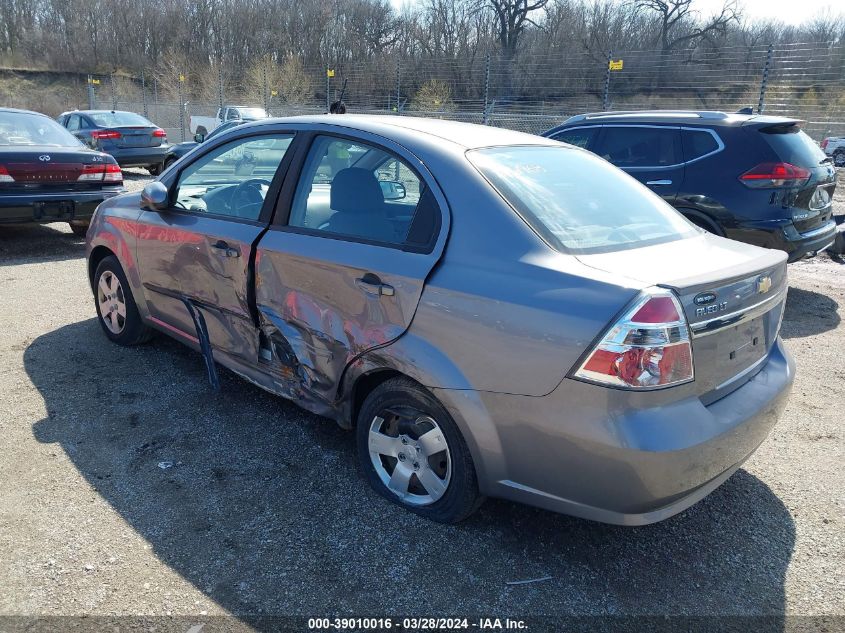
point(775, 176)
point(648, 348)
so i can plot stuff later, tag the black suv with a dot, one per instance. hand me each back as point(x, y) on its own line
point(756, 179)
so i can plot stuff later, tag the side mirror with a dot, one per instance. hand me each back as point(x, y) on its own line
point(199, 138)
point(154, 197)
point(392, 190)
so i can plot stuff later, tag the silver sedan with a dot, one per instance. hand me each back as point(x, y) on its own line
point(491, 313)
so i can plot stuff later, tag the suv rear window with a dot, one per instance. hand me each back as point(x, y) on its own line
point(578, 202)
point(698, 143)
point(792, 145)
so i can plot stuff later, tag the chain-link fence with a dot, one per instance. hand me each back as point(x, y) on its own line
point(530, 93)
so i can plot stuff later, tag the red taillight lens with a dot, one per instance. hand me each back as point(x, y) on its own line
point(824, 143)
point(4, 175)
point(101, 172)
point(775, 175)
point(113, 173)
point(159, 133)
point(105, 134)
point(648, 348)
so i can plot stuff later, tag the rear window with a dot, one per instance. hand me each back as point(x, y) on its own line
point(792, 145)
point(21, 128)
point(577, 201)
point(119, 119)
point(698, 143)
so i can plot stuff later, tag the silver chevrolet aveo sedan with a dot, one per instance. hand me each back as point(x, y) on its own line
point(492, 313)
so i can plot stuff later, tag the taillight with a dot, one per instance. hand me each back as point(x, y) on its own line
point(113, 173)
point(159, 133)
point(775, 175)
point(4, 175)
point(648, 348)
point(105, 134)
point(101, 172)
point(824, 143)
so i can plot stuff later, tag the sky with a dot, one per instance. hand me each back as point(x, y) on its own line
point(789, 11)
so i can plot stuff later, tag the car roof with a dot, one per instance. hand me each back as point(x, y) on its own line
point(20, 111)
point(709, 118)
point(466, 135)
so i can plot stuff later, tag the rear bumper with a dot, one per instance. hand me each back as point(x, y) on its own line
point(139, 156)
point(53, 206)
point(614, 456)
point(785, 237)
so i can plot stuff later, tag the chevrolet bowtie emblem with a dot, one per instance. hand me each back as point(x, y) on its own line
point(764, 284)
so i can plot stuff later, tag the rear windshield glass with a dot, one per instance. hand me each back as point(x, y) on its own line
point(21, 128)
point(118, 119)
point(792, 145)
point(577, 201)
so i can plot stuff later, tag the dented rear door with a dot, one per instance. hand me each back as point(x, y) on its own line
point(325, 297)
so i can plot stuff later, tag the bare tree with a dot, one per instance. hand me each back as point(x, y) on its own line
point(512, 18)
point(679, 22)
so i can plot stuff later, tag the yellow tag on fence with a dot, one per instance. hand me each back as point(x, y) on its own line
point(329, 72)
point(615, 64)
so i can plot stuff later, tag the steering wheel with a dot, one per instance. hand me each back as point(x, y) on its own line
point(246, 198)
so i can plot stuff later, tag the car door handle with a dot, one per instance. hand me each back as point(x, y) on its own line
point(659, 182)
point(224, 250)
point(372, 285)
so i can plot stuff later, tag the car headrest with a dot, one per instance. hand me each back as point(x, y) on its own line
point(356, 190)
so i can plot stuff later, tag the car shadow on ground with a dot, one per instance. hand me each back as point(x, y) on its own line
point(29, 243)
point(259, 505)
point(808, 313)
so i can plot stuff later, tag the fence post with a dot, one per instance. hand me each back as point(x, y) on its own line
point(90, 92)
point(764, 82)
point(398, 86)
point(181, 110)
point(606, 101)
point(220, 95)
point(155, 94)
point(486, 88)
point(265, 89)
point(113, 93)
point(144, 93)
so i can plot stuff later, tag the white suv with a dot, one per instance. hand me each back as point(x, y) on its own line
point(835, 147)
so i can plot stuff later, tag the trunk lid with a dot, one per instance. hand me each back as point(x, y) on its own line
point(732, 294)
point(137, 136)
point(48, 167)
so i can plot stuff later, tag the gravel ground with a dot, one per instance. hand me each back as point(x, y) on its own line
point(128, 487)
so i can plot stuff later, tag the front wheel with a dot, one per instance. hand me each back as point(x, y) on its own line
point(412, 452)
point(839, 158)
point(118, 314)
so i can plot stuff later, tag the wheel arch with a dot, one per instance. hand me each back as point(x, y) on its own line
point(98, 254)
point(703, 220)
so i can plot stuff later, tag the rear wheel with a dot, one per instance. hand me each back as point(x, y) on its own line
point(412, 452)
point(118, 314)
point(839, 158)
point(705, 223)
point(154, 170)
point(168, 163)
point(79, 227)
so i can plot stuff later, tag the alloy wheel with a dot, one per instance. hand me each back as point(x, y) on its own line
point(410, 455)
point(112, 302)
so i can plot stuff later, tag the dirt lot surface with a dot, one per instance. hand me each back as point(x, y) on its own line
point(128, 487)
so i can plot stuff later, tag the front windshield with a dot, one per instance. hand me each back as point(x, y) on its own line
point(577, 201)
point(23, 128)
point(252, 113)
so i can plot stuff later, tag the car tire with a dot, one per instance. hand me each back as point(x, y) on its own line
point(79, 227)
point(168, 163)
point(112, 295)
point(839, 158)
point(155, 170)
point(437, 483)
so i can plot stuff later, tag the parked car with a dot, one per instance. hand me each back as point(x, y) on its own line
point(130, 138)
point(177, 151)
point(756, 179)
point(47, 175)
point(204, 125)
point(494, 313)
point(835, 148)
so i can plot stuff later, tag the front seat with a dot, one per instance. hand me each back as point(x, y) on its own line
point(358, 205)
